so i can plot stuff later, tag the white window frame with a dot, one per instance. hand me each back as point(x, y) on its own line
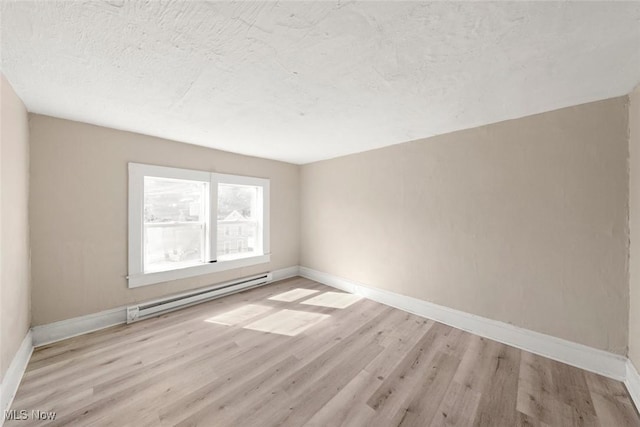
point(137, 172)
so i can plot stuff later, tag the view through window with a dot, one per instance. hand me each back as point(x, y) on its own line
point(237, 221)
point(174, 223)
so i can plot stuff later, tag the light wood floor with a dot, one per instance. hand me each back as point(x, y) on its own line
point(243, 361)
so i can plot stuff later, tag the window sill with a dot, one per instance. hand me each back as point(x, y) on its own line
point(137, 280)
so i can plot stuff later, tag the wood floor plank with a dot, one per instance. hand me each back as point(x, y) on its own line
point(391, 401)
point(611, 401)
point(422, 407)
point(535, 395)
point(571, 387)
point(524, 420)
point(363, 364)
point(498, 397)
point(339, 410)
point(475, 367)
point(458, 407)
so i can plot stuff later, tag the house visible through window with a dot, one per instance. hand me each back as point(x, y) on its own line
point(184, 223)
point(238, 211)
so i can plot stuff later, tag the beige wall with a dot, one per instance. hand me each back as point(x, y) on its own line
point(634, 227)
point(523, 221)
point(15, 315)
point(79, 214)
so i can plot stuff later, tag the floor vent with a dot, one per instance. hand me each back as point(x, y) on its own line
point(176, 302)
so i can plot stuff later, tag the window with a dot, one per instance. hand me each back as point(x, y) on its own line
point(175, 223)
point(239, 210)
point(184, 223)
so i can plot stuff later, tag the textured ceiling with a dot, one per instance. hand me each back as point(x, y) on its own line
point(301, 82)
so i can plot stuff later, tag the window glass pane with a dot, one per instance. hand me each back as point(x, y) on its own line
point(174, 223)
point(238, 222)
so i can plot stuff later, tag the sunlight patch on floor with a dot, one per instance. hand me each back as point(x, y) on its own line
point(333, 300)
point(239, 315)
point(293, 295)
point(287, 322)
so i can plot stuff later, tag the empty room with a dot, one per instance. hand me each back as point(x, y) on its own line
point(319, 213)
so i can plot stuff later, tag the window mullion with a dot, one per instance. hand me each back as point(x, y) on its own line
point(213, 217)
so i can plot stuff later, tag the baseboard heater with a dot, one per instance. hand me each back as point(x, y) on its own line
point(176, 302)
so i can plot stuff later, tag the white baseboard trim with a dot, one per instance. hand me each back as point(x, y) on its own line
point(285, 273)
point(58, 331)
point(14, 374)
point(633, 383)
point(69, 328)
point(591, 359)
